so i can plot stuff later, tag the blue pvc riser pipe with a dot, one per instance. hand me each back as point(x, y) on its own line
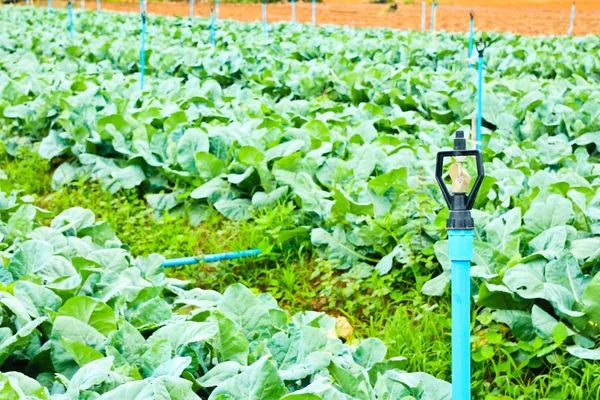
point(433, 6)
point(70, 7)
point(178, 262)
point(471, 31)
point(460, 251)
point(479, 102)
point(212, 28)
point(143, 51)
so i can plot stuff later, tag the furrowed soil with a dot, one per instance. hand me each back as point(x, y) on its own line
point(527, 17)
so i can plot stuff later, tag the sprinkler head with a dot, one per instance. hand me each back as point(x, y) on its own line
point(481, 46)
point(472, 15)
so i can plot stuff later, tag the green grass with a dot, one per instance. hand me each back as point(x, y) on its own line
point(391, 307)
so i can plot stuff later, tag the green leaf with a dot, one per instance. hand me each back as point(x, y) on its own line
point(336, 246)
point(519, 322)
point(591, 299)
point(230, 344)
point(31, 257)
point(193, 141)
point(583, 353)
point(75, 330)
point(209, 166)
point(19, 340)
point(559, 333)
point(548, 213)
point(182, 333)
point(91, 312)
point(236, 210)
point(349, 384)
point(501, 230)
point(219, 374)
point(259, 381)
point(36, 299)
point(369, 352)
point(242, 307)
point(81, 353)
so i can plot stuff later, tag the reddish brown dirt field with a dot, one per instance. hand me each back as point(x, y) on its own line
point(527, 17)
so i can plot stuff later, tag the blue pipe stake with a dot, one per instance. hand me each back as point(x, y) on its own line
point(177, 262)
point(98, 7)
point(293, 12)
point(460, 251)
point(82, 4)
point(479, 101)
point(264, 15)
point(572, 19)
point(191, 10)
point(27, 3)
point(471, 30)
point(433, 6)
point(217, 10)
point(314, 12)
point(143, 52)
point(212, 27)
point(70, 8)
point(423, 12)
point(49, 6)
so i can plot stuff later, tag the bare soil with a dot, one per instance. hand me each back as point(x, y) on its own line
point(527, 17)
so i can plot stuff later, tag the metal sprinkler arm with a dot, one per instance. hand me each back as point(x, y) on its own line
point(460, 203)
point(481, 46)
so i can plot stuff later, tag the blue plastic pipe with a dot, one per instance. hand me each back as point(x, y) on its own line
point(217, 10)
point(143, 52)
point(264, 13)
point(572, 19)
point(98, 6)
point(177, 262)
point(432, 16)
point(423, 12)
point(293, 12)
point(460, 251)
point(191, 10)
point(479, 102)
point(83, 4)
point(314, 12)
point(49, 6)
point(70, 7)
point(27, 3)
point(471, 32)
point(212, 27)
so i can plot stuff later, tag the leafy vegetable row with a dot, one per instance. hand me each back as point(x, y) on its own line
point(82, 319)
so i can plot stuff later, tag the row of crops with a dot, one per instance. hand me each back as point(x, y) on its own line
point(343, 123)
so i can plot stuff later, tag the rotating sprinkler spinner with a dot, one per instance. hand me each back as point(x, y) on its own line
point(460, 227)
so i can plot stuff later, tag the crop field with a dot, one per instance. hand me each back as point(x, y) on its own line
point(315, 145)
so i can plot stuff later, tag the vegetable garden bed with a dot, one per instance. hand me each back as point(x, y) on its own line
point(345, 127)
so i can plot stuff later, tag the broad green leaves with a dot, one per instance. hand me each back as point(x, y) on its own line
point(97, 324)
